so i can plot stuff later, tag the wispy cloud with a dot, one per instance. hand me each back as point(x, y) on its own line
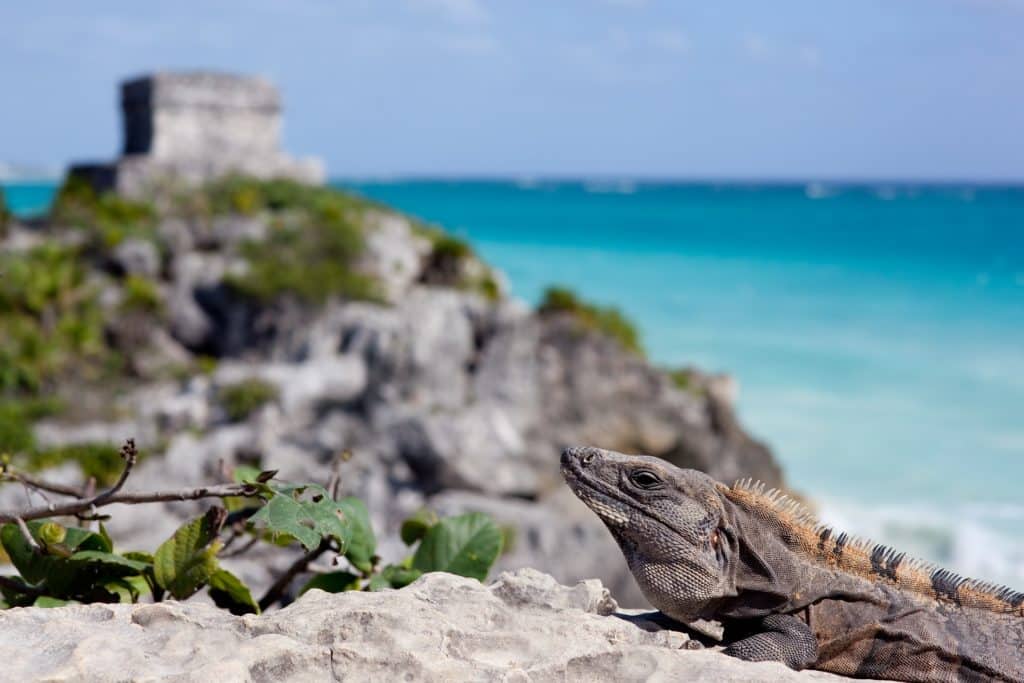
point(671, 40)
point(456, 11)
point(477, 44)
point(631, 4)
point(761, 48)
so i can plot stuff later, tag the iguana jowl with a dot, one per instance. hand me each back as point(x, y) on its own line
point(790, 589)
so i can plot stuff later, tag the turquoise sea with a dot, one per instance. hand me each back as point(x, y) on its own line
point(876, 330)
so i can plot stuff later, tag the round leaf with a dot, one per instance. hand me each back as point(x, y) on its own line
point(466, 545)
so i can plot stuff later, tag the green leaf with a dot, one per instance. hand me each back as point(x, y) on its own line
point(148, 576)
point(124, 590)
point(47, 601)
point(20, 594)
point(362, 545)
point(393, 576)
point(306, 512)
point(244, 473)
point(187, 560)
point(283, 515)
point(466, 545)
point(54, 567)
point(228, 592)
point(415, 527)
point(132, 566)
point(333, 582)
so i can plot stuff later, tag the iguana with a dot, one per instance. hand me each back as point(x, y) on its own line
point(787, 588)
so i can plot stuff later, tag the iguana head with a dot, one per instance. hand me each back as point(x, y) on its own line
point(668, 521)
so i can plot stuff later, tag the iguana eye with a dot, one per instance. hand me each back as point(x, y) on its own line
point(645, 479)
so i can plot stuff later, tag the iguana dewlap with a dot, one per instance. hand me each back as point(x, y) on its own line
point(790, 589)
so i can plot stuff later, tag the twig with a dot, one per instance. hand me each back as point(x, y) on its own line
point(41, 484)
point(23, 528)
point(334, 483)
point(276, 591)
point(113, 495)
point(240, 550)
point(81, 506)
point(130, 455)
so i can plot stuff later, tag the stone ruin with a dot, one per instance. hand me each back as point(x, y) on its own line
point(189, 128)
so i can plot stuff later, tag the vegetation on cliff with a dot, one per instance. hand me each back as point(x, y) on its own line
point(453, 263)
point(316, 237)
point(5, 215)
point(604, 319)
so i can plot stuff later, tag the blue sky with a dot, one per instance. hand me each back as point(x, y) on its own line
point(926, 89)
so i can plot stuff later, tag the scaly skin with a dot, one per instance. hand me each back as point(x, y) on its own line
point(789, 589)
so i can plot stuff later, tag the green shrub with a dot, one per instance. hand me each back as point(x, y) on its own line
point(15, 428)
point(312, 256)
point(5, 216)
point(243, 398)
point(141, 294)
point(687, 379)
point(50, 319)
point(62, 564)
point(108, 219)
point(446, 264)
point(247, 196)
point(604, 319)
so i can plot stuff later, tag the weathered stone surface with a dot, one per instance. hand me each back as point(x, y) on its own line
point(191, 127)
point(394, 255)
point(523, 627)
point(137, 257)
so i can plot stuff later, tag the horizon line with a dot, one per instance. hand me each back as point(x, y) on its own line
point(645, 179)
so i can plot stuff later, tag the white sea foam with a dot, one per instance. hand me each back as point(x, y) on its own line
point(980, 540)
point(610, 187)
point(819, 191)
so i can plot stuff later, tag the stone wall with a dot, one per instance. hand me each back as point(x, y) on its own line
point(193, 127)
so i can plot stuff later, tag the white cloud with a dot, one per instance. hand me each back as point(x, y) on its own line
point(477, 44)
point(457, 11)
point(760, 48)
point(670, 40)
point(809, 55)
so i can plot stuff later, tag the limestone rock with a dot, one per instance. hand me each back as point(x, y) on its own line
point(394, 255)
point(524, 627)
point(137, 257)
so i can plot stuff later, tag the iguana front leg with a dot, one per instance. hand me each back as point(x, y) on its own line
point(774, 638)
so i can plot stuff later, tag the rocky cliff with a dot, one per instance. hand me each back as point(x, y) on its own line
point(249, 331)
point(225, 320)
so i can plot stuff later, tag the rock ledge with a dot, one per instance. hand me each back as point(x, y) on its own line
point(522, 627)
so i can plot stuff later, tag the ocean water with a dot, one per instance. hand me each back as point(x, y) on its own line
point(876, 331)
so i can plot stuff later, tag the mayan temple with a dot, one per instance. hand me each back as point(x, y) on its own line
point(192, 127)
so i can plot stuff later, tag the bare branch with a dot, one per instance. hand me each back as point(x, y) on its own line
point(23, 528)
point(334, 483)
point(113, 495)
point(83, 506)
point(28, 480)
point(130, 455)
point(276, 591)
point(246, 547)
